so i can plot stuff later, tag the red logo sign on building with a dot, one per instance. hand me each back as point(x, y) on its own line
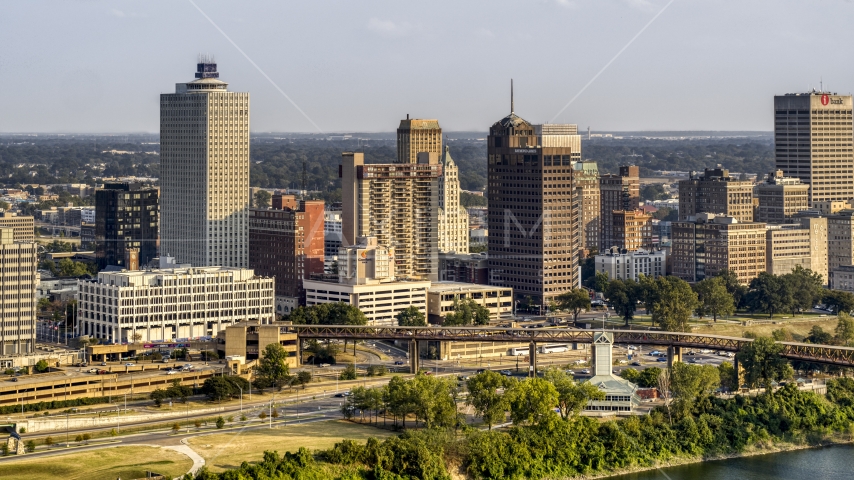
point(825, 99)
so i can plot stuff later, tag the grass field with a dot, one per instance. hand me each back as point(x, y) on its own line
point(103, 464)
point(798, 329)
point(222, 451)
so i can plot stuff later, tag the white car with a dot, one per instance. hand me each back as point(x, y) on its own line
point(171, 372)
point(324, 365)
point(130, 364)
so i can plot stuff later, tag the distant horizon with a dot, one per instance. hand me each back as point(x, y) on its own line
point(392, 132)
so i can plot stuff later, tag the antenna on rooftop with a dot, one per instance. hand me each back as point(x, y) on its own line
point(511, 96)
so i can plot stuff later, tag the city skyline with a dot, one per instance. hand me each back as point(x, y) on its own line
point(640, 65)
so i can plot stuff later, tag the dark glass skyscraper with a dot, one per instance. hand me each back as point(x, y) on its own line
point(126, 216)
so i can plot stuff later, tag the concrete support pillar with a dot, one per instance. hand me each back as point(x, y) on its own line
point(677, 354)
point(670, 354)
point(413, 356)
point(532, 359)
point(299, 351)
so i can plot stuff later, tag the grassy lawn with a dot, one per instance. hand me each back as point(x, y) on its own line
point(799, 329)
point(228, 450)
point(106, 464)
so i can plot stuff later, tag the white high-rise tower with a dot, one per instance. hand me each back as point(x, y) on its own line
point(453, 218)
point(204, 171)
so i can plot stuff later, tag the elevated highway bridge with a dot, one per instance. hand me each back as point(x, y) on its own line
point(673, 341)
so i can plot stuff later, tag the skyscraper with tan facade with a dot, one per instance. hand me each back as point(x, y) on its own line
point(204, 171)
point(814, 141)
point(453, 218)
point(18, 264)
point(781, 198)
point(715, 191)
point(418, 135)
point(589, 204)
point(616, 192)
point(533, 208)
point(399, 205)
point(632, 229)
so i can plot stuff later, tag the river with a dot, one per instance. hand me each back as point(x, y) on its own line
point(835, 462)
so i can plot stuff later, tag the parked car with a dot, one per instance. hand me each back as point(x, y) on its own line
point(103, 364)
point(661, 359)
point(636, 364)
point(506, 373)
point(171, 372)
point(166, 360)
point(129, 364)
point(398, 362)
point(324, 365)
point(585, 372)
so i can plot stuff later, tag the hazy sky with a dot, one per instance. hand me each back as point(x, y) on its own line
point(98, 66)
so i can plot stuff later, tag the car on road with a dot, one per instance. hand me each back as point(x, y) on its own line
point(585, 372)
point(690, 352)
point(705, 351)
point(661, 359)
point(636, 364)
point(340, 395)
point(506, 373)
point(654, 353)
point(129, 364)
point(166, 360)
point(398, 362)
point(480, 370)
point(103, 364)
point(632, 347)
point(692, 360)
point(171, 372)
point(324, 365)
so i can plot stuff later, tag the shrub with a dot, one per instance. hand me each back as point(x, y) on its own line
point(175, 427)
point(49, 441)
point(242, 418)
point(197, 423)
point(349, 373)
point(262, 415)
point(78, 438)
point(30, 446)
point(87, 437)
point(275, 413)
point(220, 422)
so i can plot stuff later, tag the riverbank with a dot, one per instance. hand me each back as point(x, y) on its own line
point(773, 448)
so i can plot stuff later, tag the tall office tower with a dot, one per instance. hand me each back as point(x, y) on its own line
point(286, 242)
point(453, 218)
point(23, 227)
point(416, 136)
point(397, 204)
point(587, 189)
point(18, 262)
point(632, 229)
point(125, 219)
point(616, 192)
point(715, 191)
point(711, 243)
point(781, 198)
point(533, 209)
point(204, 171)
point(813, 141)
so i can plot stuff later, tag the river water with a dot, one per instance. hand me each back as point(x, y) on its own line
point(835, 462)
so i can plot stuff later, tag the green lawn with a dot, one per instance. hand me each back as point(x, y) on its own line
point(102, 464)
point(222, 451)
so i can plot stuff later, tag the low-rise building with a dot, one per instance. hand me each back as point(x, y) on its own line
point(380, 302)
point(443, 296)
point(781, 198)
point(842, 278)
point(840, 239)
point(249, 339)
point(621, 264)
point(621, 396)
point(171, 303)
point(467, 268)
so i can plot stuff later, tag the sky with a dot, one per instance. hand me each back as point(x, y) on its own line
point(92, 66)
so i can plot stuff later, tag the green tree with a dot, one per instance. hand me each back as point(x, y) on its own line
point(411, 317)
point(572, 396)
point(692, 382)
point(600, 282)
point(806, 288)
point(839, 301)
point(220, 422)
point(262, 199)
point(631, 375)
point(532, 401)
point(648, 377)
point(845, 329)
point(467, 312)
point(303, 378)
point(218, 388)
point(819, 336)
point(42, 366)
point(714, 298)
point(727, 374)
point(734, 287)
point(673, 304)
point(87, 437)
point(49, 441)
point(158, 395)
point(432, 401)
point(349, 372)
point(574, 301)
point(769, 294)
point(762, 362)
point(486, 396)
point(622, 295)
point(30, 446)
point(273, 367)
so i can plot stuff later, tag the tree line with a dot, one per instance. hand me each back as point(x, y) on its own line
point(671, 301)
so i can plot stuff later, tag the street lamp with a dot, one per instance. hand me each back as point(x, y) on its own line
point(241, 399)
point(271, 411)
